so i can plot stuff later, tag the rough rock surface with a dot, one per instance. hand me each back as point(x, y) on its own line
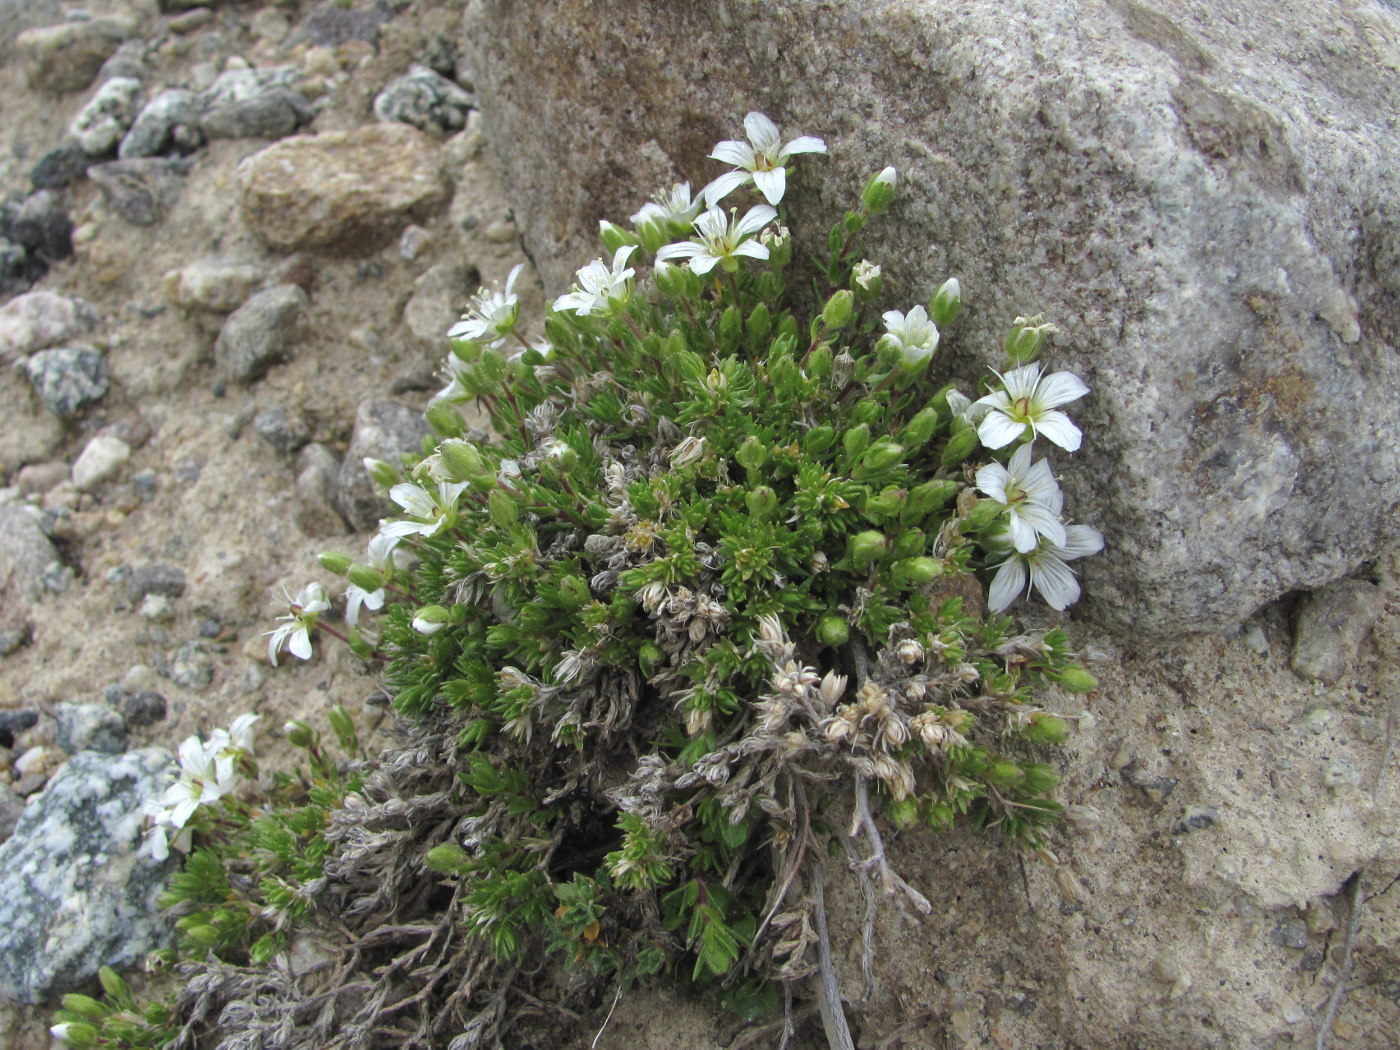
point(1331, 623)
point(172, 117)
point(24, 553)
point(253, 103)
point(41, 319)
point(1207, 214)
point(259, 333)
point(383, 430)
point(68, 378)
point(99, 127)
point(352, 190)
point(76, 892)
point(217, 284)
point(66, 56)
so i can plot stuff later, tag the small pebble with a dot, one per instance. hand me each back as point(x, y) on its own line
point(412, 241)
point(1340, 774)
point(191, 667)
point(284, 431)
point(1329, 628)
point(500, 232)
point(1290, 934)
point(89, 727)
point(168, 580)
point(57, 577)
point(101, 460)
point(157, 608)
point(144, 707)
point(12, 641)
point(1197, 818)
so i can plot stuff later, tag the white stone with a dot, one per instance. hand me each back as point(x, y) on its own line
point(100, 461)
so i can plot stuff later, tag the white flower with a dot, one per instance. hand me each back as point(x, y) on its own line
point(1047, 570)
point(384, 556)
point(866, 273)
point(721, 239)
point(1028, 401)
point(491, 315)
point(240, 733)
point(1032, 498)
point(427, 627)
point(295, 632)
point(666, 209)
point(761, 160)
point(430, 513)
point(913, 335)
point(688, 451)
point(597, 284)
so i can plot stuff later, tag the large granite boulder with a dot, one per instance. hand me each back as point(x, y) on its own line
point(76, 890)
point(1202, 198)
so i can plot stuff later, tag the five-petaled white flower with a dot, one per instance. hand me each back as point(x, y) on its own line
point(762, 160)
point(491, 316)
point(207, 774)
point(429, 513)
point(913, 335)
point(667, 209)
point(597, 284)
point(1029, 401)
point(384, 557)
point(295, 632)
point(722, 240)
point(1032, 499)
point(1047, 570)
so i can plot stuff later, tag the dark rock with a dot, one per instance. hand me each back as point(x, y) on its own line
point(89, 727)
point(253, 103)
point(1289, 934)
point(76, 889)
point(68, 379)
point(259, 333)
point(171, 119)
point(19, 721)
point(349, 191)
point(66, 56)
point(100, 125)
point(17, 270)
point(317, 489)
point(332, 24)
point(144, 707)
point(1198, 818)
point(11, 807)
point(383, 430)
point(168, 580)
point(282, 430)
point(424, 99)
point(440, 55)
point(12, 642)
point(59, 166)
point(42, 225)
point(414, 381)
point(1330, 625)
point(140, 190)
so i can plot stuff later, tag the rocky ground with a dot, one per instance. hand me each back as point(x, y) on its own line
point(234, 236)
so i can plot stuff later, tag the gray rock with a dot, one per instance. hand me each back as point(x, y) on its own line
point(16, 268)
point(383, 430)
point(317, 489)
point(89, 727)
point(168, 580)
point(332, 24)
point(101, 460)
point(169, 119)
point(1330, 625)
point(253, 103)
point(19, 721)
point(57, 577)
point(1209, 221)
point(76, 889)
point(59, 166)
point(1290, 934)
point(192, 667)
point(259, 333)
point(38, 478)
point(68, 378)
point(11, 807)
point(438, 298)
point(129, 60)
point(42, 225)
point(12, 641)
point(100, 125)
point(349, 191)
point(18, 15)
point(144, 707)
point(41, 319)
point(141, 190)
point(1198, 818)
point(281, 429)
point(424, 99)
point(215, 283)
point(66, 56)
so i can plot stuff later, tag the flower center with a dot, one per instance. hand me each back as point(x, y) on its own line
point(1022, 407)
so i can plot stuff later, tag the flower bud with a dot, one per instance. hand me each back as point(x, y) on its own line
point(940, 816)
point(614, 237)
point(202, 936)
point(332, 562)
point(461, 458)
point(856, 440)
point(1074, 679)
point(752, 454)
point(943, 310)
point(961, 444)
point(920, 570)
point(731, 328)
point(924, 499)
point(574, 590)
point(83, 1004)
point(1003, 774)
point(650, 658)
point(819, 365)
point(491, 370)
point(910, 543)
point(384, 474)
point(344, 727)
point(818, 440)
point(779, 245)
point(299, 734)
point(884, 504)
point(904, 813)
point(503, 510)
point(112, 983)
point(445, 420)
point(920, 428)
point(1040, 777)
point(431, 619)
point(366, 577)
point(1045, 728)
point(880, 457)
point(866, 281)
point(982, 514)
point(833, 630)
point(837, 311)
point(762, 502)
point(879, 192)
point(446, 859)
point(77, 1034)
point(867, 546)
point(1024, 340)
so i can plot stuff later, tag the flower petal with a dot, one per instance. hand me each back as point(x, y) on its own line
point(1054, 580)
point(763, 133)
point(1059, 389)
point(1007, 585)
point(1043, 522)
point(1023, 535)
point(1080, 542)
point(1056, 427)
point(723, 186)
point(772, 184)
point(757, 217)
point(680, 250)
point(732, 151)
point(300, 643)
point(753, 249)
point(991, 481)
point(998, 431)
point(802, 144)
point(703, 263)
